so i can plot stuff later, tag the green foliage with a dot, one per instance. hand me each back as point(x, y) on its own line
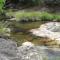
point(37, 2)
point(46, 16)
point(2, 2)
point(30, 2)
point(4, 30)
point(34, 16)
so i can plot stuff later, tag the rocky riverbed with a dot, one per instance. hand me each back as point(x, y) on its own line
point(49, 30)
point(27, 51)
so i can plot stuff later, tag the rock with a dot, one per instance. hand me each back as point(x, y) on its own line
point(30, 52)
point(27, 44)
point(13, 19)
point(53, 52)
point(8, 48)
point(50, 30)
point(37, 53)
point(2, 57)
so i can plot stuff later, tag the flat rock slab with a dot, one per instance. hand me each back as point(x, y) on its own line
point(50, 30)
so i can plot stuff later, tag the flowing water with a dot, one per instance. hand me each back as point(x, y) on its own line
point(21, 34)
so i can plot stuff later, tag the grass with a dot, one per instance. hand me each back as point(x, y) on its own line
point(34, 16)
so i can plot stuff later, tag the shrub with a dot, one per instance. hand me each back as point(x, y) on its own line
point(34, 16)
point(2, 2)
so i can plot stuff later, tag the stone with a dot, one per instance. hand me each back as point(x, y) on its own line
point(27, 44)
point(8, 48)
point(50, 30)
point(28, 51)
point(31, 52)
point(37, 53)
point(2, 57)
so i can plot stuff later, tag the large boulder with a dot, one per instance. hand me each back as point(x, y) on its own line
point(2, 57)
point(50, 30)
point(30, 52)
point(8, 49)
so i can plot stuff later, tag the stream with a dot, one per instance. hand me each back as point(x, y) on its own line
point(21, 34)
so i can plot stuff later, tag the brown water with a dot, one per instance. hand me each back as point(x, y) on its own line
point(24, 35)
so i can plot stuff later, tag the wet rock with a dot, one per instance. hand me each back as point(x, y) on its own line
point(50, 30)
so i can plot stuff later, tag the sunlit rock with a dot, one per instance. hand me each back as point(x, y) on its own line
point(31, 52)
point(28, 51)
point(37, 53)
point(27, 44)
point(50, 30)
